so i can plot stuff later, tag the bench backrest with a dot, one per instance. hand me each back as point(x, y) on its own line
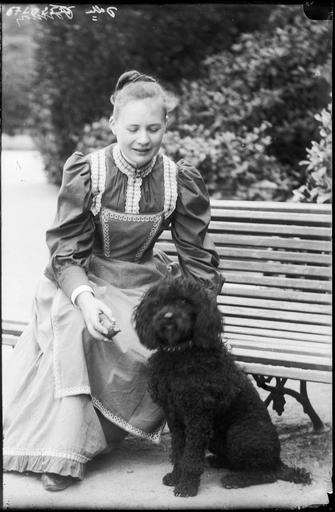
point(276, 301)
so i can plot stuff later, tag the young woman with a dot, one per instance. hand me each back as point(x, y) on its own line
point(73, 391)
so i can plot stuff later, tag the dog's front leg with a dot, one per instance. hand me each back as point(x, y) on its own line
point(198, 430)
point(177, 449)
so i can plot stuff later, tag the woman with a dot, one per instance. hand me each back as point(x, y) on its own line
point(74, 392)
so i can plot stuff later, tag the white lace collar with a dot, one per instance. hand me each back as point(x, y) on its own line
point(127, 168)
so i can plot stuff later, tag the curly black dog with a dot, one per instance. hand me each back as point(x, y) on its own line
point(209, 402)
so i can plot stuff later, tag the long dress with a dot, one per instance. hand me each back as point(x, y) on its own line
point(64, 387)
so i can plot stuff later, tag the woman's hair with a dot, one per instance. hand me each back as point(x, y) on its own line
point(133, 85)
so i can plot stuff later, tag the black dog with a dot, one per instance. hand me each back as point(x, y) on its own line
point(209, 402)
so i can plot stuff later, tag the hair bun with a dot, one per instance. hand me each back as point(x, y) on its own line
point(135, 85)
point(126, 78)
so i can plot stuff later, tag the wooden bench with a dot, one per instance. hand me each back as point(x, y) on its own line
point(276, 301)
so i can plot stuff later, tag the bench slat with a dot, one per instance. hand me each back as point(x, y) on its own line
point(241, 330)
point(268, 241)
point(274, 304)
point(275, 293)
point(268, 254)
point(276, 229)
point(291, 359)
point(281, 268)
point(278, 217)
point(283, 326)
point(300, 361)
point(13, 324)
point(281, 282)
point(252, 367)
point(275, 314)
point(286, 346)
point(8, 339)
point(278, 343)
point(267, 206)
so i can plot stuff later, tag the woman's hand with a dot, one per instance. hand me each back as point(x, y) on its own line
point(92, 310)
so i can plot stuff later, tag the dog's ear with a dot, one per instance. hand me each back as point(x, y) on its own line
point(209, 321)
point(142, 319)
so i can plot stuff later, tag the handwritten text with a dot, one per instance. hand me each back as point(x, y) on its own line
point(54, 11)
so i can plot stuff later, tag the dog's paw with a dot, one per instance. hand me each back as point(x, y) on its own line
point(171, 479)
point(186, 489)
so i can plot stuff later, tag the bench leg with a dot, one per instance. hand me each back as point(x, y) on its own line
point(318, 425)
point(277, 396)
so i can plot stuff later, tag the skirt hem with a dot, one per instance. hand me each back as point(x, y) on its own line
point(44, 464)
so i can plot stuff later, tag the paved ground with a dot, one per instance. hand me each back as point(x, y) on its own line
point(130, 478)
point(28, 205)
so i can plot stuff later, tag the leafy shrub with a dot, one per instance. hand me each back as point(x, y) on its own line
point(95, 136)
point(78, 61)
point(318, 165)
point(232, 165)
point(246, 125)
point(244, 121)
point(17, 76)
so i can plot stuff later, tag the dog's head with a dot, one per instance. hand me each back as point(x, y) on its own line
point(175, 311)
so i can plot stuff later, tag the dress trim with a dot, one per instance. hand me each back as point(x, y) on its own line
point(124, 166)
point(155, 226)
point(143, 217)
point(134, 176)
point(46, 453)
point(120, 422)
point(98, 178)
point(133, 195)
point(170, 186)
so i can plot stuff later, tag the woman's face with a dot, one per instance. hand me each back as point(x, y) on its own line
point(139, 129)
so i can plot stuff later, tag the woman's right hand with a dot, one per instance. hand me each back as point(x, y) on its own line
point(91, 309)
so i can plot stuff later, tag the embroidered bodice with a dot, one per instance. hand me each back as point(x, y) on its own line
point(128, 233)
point(108, 208)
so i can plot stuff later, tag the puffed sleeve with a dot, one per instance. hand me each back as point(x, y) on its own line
point(71, 237)
point(196, 251)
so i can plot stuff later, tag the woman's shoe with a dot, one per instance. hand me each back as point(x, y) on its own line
point(53, 482)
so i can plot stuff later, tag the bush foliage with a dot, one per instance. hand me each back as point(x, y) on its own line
point(246, 123)
point(249, 93)
point(318, 165)
point(17, 76)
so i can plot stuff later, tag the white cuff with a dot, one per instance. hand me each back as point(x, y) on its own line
point(78, 290)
